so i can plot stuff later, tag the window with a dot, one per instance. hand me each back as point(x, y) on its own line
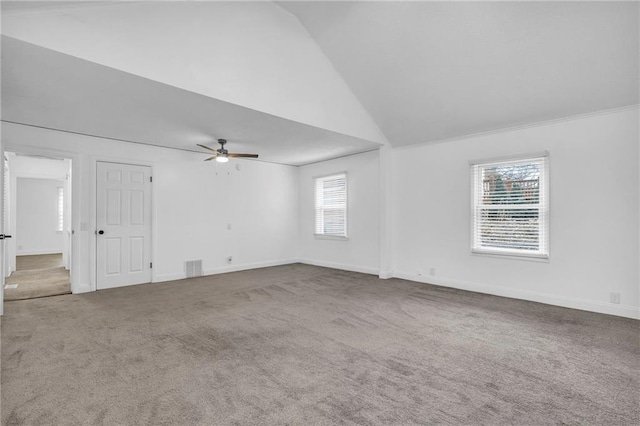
point(60, 209)
point(510, 208)
point(331, 205)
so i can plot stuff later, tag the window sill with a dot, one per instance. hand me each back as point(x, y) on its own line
point(330, 237)
point(512, 256)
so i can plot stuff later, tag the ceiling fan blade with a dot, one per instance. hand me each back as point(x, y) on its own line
point(243, 155)
point(211, 158)
point(206, 147)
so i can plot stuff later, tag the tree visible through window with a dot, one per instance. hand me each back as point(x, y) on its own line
point(510, 211)
point(331, 205)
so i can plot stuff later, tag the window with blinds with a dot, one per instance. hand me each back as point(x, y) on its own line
point(331, 205)
point(510, 207)
point(60, 209)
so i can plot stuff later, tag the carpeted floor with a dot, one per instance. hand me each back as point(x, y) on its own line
point(38, 261)
point(37, 276)
point(304, 345)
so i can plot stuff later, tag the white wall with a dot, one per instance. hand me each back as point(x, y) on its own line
point(37, 216)
point(193, 202)
point(253, 54)
point(594, 201)
point(360, 252)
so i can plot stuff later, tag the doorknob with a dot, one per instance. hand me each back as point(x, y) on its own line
point(101, 232)
point(3, 236)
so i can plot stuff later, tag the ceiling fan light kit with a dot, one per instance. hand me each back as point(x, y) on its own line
point(221, 155)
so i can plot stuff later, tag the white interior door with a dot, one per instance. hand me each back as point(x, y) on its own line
point(123, 225)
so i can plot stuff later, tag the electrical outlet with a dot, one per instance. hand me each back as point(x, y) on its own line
point(230, 259)
point(614, 298)
point(432, 271)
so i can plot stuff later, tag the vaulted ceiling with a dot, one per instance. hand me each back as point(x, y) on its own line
point(430, 71)
point(306, 81)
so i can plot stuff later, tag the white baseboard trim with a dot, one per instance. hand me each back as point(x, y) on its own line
point(344, 267)
point(385, 275)
point(35, 252)
point(247, 266)
point(224, 269)
point(81, 288)
point(533, 296)
point(168, 277)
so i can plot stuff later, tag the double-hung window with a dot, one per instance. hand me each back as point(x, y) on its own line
point(510, 207)
point(331, 205)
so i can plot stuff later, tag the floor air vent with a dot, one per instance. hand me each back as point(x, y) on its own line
point(193, 268)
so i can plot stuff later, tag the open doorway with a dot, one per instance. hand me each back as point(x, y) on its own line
point(37, 211)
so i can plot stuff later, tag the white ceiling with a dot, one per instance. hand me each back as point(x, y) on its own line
point(429, 71)
point(424, 71)
point(79, 96)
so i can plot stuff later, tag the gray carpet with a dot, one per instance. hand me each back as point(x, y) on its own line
point(39, 275)
point(305, 345)
point(34, 283)
point(38, 261)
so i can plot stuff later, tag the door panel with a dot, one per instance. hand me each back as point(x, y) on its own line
point(124, 215)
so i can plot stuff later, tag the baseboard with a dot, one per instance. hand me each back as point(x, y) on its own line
point(247, 266)
point(225, 269)
point(81, 288)
point(345, 267)
point(385, 275)
point(533, 296)
point(168, 277)
point(36, 252)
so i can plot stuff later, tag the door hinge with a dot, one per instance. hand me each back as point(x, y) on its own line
point(150, 178)
point(150, 264)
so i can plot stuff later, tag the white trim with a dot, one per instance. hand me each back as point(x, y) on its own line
point(342, 266)
point(385, 275)
point(76, 245)
point(247, 266)
point(500, 130)
point(225, 269)
point(330, 237)
point(475, 175)
point(533, 296)
point(496, 161)
point(315, 180)
point(514, 256)
point(37, 252)
point(83, 288)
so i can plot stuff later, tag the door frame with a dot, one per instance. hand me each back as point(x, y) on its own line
point(74, 264)
point(93, 261)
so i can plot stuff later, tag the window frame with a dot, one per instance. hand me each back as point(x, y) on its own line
point(543, 253)
point(323, 236)
point(60, 224)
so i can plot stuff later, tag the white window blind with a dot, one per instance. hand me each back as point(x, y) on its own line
point(510, 207)
point(60, 209)
point(331, 205)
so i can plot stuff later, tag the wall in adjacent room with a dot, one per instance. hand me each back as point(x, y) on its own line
point(360, 251)
point(201, 210)
point(37, 216)
point(594, 201)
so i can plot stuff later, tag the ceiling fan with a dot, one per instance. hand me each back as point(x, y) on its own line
point(221, 155)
